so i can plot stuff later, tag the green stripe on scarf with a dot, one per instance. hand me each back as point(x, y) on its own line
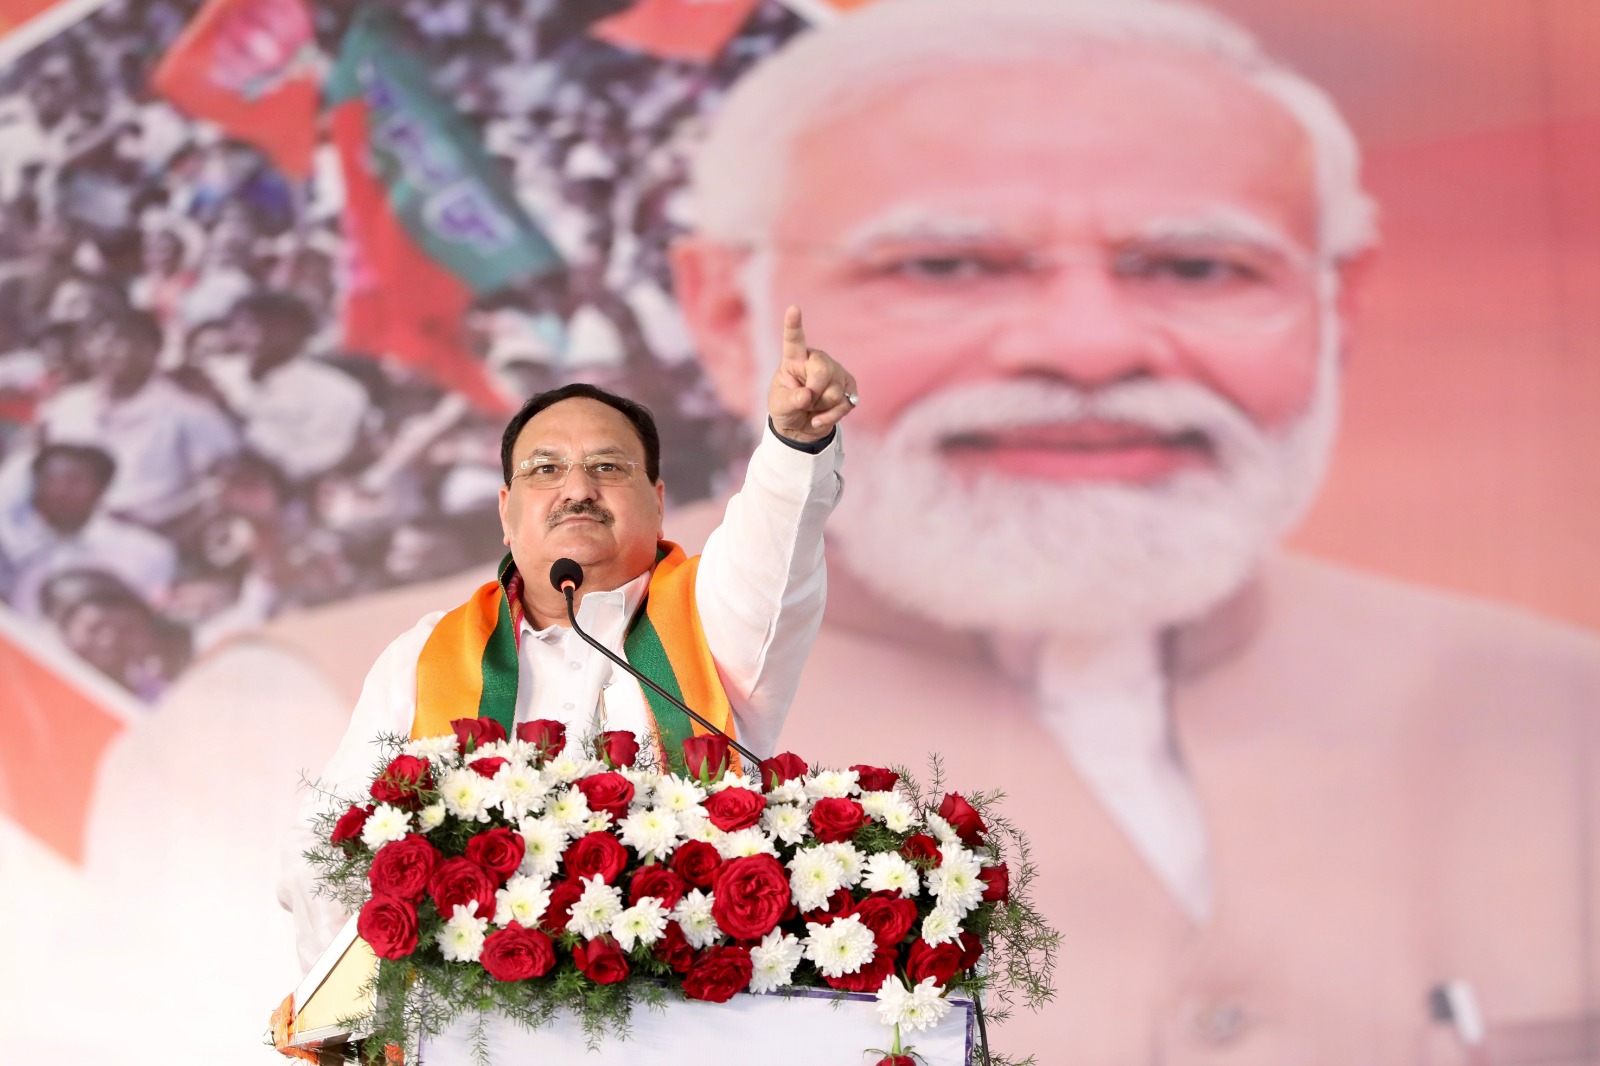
point(500, 668)
point(644, 651)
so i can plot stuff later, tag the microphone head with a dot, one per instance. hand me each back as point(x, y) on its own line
point(565, 572)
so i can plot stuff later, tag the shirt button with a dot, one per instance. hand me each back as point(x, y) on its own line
point(1220, 1023)
point(573, 664)
point(568, 706)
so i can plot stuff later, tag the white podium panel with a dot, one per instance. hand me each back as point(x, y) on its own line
point(805, 1028)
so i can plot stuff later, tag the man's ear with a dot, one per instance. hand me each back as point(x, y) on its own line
point(1353, 274)
point(705, 275)
point(505, 525)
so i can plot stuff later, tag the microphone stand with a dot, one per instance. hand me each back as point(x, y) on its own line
point(572, 616)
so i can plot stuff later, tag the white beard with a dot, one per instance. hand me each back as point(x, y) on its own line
point(1095, 560)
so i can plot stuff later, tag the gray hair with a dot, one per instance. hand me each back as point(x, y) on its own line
point(738, 170)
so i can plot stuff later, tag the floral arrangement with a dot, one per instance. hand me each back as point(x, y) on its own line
point(524, 876)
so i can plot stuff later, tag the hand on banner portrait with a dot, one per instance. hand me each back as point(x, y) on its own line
point(811, 391)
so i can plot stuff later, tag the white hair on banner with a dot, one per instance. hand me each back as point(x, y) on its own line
point(739, 169)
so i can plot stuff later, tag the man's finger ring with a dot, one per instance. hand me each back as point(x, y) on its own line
point(852, 399)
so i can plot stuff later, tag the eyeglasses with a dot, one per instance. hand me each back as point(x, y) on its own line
point(552, 471)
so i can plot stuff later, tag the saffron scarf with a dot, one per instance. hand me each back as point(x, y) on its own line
point(468, 667)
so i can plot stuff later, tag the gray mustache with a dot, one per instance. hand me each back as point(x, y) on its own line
point(587, 508)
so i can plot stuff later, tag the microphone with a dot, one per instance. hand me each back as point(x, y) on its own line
point(566, 576)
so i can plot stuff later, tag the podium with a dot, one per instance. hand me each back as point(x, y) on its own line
point(796, 1027)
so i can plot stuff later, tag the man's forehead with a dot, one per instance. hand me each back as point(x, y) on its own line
point(1121, 137)
point(580, 424)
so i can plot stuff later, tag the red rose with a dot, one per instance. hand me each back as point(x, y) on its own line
point(460, 882)
point(780, 768)
point(697, 862)
point(516, 954)
point(718, 973)
point(896, 1060)
point(840, 905)
point(888, 916)
point(598, 853)
point(971, 950)
point(499, 851)
point(618, 747)
point(963, 819)
point(735, 808)
point(487, 766)
point(921, 850)
point(940, 963)
point(389, 926)
point(658, 881)
point(474, 733)
point(706, 757)
point(751, 895)
point(546, 735)
point(836, 820)
point(607, 792)
point(673, 949)
point(997, 883)
point(402, 867)
point(347, 830)
point(401, 780)
point(875, 778)
point(870, 977)
point(563, 894)
point(600, 960)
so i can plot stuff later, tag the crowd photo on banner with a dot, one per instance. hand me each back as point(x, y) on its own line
point(1226, 389)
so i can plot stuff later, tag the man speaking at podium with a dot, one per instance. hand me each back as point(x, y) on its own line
point(582, 482)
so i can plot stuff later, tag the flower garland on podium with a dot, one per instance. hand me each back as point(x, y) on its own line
point(520, 875)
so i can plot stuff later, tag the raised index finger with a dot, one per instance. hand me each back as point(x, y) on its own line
point(794, 339)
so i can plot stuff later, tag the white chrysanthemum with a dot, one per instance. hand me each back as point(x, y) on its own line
point(942, 830)
point(595, 910)
point(694, 825)
point(598, 822)
point(791, 791)
point(642, 923)
point(437, 750)
point(494, 749)
point(840, 947)
point(693, 915)
point(772, 961)
point(466, 794)
point(652, 832)
point(384, 824)
point(520, 789)
point(644, 785)
point(523, 901)
point(544, 840)
point(915, 1009)
point(890, 808)
point(814, 875)
point(461, 939)
point(735, 779)
point(431, 817)
point(678, 794)
point(518, 751)
point(743, 842)
point(833, 784)
point(567, 768)
point(955, 882)
point(890, 872)
point(851, 861)
point(570, 810)
point(787, 823)
point(941, 926)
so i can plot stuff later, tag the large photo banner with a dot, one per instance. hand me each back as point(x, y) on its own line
point(1223, 481)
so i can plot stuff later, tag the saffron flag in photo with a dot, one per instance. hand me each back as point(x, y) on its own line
point(430, 224)
point(693, 30)
point(252, 67)
point(57, 718)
